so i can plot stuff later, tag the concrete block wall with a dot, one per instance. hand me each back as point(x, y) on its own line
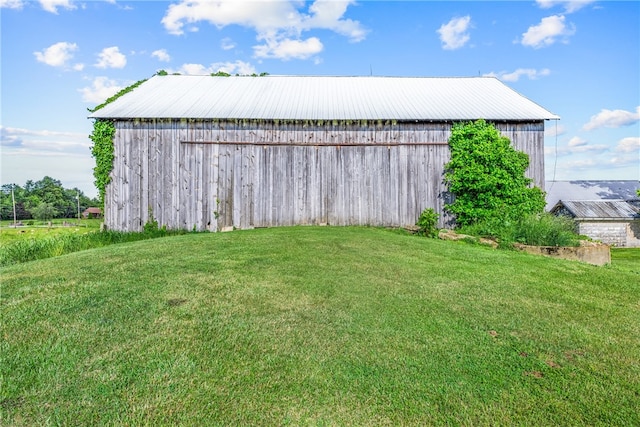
point(620, 234)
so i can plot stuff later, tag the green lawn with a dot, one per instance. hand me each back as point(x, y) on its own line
point(320, 326)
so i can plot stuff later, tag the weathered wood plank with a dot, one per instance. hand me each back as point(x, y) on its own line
point(188, 174)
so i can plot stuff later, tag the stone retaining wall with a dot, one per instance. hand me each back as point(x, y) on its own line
point(596, 254)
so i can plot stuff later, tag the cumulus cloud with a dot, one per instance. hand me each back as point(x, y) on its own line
point(110, 57)
point(286, 49)
point(569, 6)
point(57, 55)
point(327, 14)
point(613, 119)
point(278, 24)
point(577, 145)
point(227, 44)
point(580, 164)
point(194, 70)
point(42, 140)
point(161, 55)
point(514, 76)
point(454, 34)
point(236, 67)
point(629, 145)
point(9, 138)
point(576, 141)
point(547, 32)
point(582, 147)
point(11, 4)
point(101, 88)
point(555, 130)
point(53, 5)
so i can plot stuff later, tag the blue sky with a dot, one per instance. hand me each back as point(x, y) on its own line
point(578, 59)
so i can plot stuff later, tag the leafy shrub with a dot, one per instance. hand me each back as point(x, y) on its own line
point(427, 223)
point(486, 175)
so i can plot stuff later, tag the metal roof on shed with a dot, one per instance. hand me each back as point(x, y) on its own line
point(600, 209)
point(324, 98)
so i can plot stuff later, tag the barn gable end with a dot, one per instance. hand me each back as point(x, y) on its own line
point(212, 172)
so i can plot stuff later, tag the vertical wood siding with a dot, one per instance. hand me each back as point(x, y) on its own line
point(211, 175)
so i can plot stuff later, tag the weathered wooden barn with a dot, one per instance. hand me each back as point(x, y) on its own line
point(214, 153)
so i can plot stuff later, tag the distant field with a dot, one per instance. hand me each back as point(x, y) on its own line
point(318, 326)
point(36, 229)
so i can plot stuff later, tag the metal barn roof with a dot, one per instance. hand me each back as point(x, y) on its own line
point(589, 190)
point(324, 98)
point(599, 209)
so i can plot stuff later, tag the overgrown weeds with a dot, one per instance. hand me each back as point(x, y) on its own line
point(48, 247)
point(534, 229)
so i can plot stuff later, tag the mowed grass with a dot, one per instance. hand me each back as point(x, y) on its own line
point(318, 326)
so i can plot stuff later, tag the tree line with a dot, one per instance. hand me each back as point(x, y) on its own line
point(43, 200)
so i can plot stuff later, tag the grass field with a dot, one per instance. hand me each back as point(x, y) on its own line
point(37, 229)
point(320, 326)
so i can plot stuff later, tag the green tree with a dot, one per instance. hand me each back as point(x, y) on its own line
point(6, 202)
point(44, 211)
point(487, 176)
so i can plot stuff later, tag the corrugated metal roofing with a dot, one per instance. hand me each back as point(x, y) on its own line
point(589, 190)
point(600, 209)
point(324, 98)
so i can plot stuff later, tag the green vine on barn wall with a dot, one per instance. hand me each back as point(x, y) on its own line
point(102, 149)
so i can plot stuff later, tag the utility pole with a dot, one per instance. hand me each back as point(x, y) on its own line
point(13, 199)
point(78, 197)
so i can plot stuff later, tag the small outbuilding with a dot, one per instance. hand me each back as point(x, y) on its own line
point(215, 153)
point(614, 222)
point(92, 213)
point(590, 190)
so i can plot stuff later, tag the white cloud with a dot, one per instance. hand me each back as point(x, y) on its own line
point(57, 55)
point(237, 67)
point(53, 5)
point(576, 141)
point(110, 57)
point(577, 145)
point(42, 141)
point(279, 24)
point(194, 70)
point(11, 4)
point(569, 6)
point(454, 33)
point(328, 14)
point(514, 76)
point(161, 55)
point(612, 119)
point(580, 164)
point(227, 44)
point(555, 130)
point(625, 160)
point(101, 88)
point(286, 49)
point(629, 145)
point(547, 32)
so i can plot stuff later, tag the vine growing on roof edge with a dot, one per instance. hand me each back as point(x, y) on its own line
point(102, 136)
